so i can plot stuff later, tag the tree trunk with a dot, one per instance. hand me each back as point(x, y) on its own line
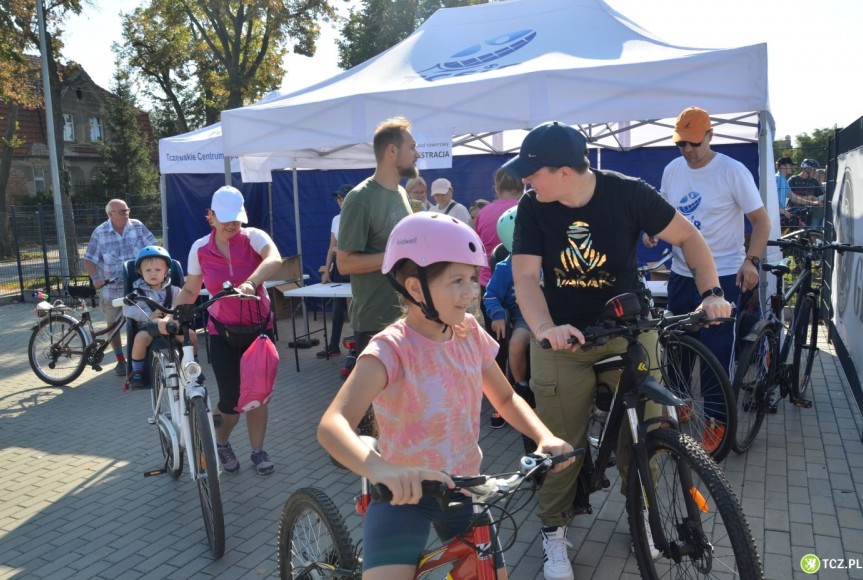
point(6, 242)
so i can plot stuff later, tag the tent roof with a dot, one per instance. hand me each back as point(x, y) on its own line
point(507, 65)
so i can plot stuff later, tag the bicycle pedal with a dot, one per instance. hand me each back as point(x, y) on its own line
point(151, 420)
point(773, 409)
point(153, 472)
point(97, 368)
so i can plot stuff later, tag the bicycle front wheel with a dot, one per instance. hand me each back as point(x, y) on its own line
point(313, 540)
point(755, 369)
point(56, 349)
point(207, 475)
point(804, 347)
point(694, 374)
point(706, 532)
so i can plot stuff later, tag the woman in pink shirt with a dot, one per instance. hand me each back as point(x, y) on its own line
point(426, 374)
point(507, 192)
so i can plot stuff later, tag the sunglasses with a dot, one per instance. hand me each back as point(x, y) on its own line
point(121, 211)
point(683, 144)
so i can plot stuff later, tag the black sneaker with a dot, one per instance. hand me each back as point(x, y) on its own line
point(136, 380)
point(120, 369)
point(497, 421)
point(329, 353)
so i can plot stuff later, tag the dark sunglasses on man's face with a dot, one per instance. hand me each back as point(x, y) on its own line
point(683, 144)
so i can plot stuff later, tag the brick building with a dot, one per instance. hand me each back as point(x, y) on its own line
point(82, 104)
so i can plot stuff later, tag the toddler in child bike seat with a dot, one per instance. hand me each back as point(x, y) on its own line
point(153, 265)
point(426, 374)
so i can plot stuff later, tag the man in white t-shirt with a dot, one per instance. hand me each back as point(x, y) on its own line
point(714, 192)
point(441, 190)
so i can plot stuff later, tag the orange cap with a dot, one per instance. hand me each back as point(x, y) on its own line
point(692, 124)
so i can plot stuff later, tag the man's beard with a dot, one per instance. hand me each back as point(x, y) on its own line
point(409, 172)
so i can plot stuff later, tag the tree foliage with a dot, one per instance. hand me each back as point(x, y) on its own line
point(128, 169)
point(806, 146)
point(201, 57)
point(381, 24)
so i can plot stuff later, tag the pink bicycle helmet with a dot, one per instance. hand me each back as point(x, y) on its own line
point(429, 238)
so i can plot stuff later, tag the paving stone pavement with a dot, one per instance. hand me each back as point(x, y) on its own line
point(74, 502)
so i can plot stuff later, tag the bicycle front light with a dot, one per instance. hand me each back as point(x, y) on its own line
point(193, 370)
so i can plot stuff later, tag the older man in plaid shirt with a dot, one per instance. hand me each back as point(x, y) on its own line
point(112, 243)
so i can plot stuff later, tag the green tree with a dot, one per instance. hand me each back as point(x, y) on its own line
point(813, 146)
point(380, 24)
point(201, 57)
point(128, 170)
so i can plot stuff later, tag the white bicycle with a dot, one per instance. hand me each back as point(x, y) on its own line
point(182, 411)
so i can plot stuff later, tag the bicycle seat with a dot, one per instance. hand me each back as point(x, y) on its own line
point(780, 268)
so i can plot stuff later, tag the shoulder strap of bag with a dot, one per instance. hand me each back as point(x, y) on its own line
point(449, 208)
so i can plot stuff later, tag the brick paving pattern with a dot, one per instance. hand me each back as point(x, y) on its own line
point(74, 502)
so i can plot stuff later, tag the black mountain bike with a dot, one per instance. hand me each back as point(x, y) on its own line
point(695, 520)
point(775, 354)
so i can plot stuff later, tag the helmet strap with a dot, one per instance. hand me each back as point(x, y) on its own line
point(427, 306)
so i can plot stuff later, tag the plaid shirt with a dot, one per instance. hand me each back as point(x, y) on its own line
point(109, 250)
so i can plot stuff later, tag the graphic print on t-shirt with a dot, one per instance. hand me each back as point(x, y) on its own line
point(687, 206)
point(580, 263)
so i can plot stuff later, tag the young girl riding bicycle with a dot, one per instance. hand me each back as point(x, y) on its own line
point(426, 374)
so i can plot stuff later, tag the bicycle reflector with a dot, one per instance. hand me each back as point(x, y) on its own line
point(623, 307)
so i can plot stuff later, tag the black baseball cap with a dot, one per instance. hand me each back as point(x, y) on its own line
point(551, 144)
point(785, 161)
point(343, 190)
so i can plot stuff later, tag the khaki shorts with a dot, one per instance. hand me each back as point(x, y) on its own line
point(110, 311)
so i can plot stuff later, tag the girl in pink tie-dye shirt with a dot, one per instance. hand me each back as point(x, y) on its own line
point(426, 374)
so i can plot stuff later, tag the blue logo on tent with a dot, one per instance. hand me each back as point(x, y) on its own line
point(480, 57)
point(689, 202)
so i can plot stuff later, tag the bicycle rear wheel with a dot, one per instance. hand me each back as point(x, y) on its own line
point(755, 368)
point(161, 397)
point(804, 347)
point(706, 532)
point(56, 349)
point(207, 475)
point(694, 374)
point(313, 540)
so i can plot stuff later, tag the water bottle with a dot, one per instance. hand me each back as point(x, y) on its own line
point(599, 414)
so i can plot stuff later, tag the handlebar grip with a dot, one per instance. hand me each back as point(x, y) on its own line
point(172, 327)
point(382, 493)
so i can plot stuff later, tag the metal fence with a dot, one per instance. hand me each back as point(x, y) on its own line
point(30, 252)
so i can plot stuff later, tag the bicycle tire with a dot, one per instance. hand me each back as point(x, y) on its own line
point(312, 536)
point(207, 475)
point(694, 373)
point(161, 391)
point(755, 367)
point(687, 479)
point(801, 368)
point(56, 349)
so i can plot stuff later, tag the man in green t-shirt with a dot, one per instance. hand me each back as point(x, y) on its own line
point(369, 213)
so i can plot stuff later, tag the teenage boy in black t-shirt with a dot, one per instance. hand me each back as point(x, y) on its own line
point(581, 228)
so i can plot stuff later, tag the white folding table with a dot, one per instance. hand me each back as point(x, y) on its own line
point(322, 292)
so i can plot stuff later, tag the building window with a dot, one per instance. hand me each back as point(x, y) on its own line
point(39, 180)
point(68, 128)
point(95, 129)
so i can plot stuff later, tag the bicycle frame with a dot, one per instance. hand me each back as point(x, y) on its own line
point(90, 335)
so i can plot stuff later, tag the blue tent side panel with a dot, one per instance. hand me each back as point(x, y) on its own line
point(472, 176)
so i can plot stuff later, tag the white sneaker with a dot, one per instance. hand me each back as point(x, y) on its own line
point(654, 553)
point(556, 564)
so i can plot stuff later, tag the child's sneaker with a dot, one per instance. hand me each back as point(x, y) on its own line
point(227, 458)
point(136, 380)
point(556, 564)
point(497, 421)
point(262, 462)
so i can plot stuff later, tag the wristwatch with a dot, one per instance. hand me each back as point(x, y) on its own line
point(715, 291)
point(756, 261)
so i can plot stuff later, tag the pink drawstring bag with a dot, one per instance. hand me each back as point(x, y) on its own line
point(258, 369)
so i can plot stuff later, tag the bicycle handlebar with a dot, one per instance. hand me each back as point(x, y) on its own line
point(596, 335)
point(185, 313)
point(484, 488)
point(804, 244)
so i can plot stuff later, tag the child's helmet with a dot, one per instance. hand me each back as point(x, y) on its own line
point(506, 226)
point(810, 164)
point(153, 252)
point(428, 238)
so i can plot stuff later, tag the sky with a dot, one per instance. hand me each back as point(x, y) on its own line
point(814, 75)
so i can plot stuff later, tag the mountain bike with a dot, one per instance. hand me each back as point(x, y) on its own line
point(776, 354)
point(182, 411)
point(693, 518)
point(313, 541)
point(694, 374)
point(63, 341)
